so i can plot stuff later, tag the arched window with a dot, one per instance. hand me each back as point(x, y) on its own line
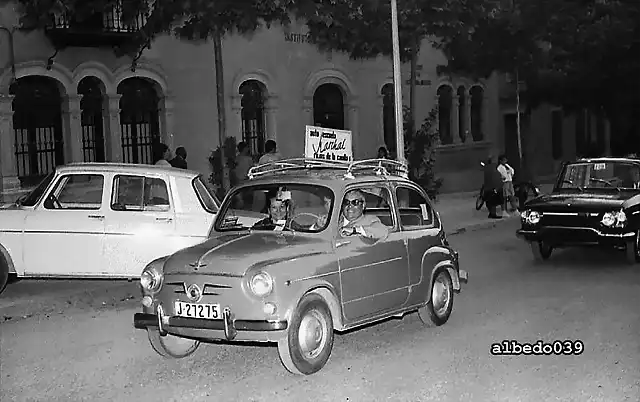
point(37, 125)
point(388, 118)
point(253, 116)
point(462, 121)
point(92, 125)
point(445, 99)
point(477, 107)
point(139, 120)
point(328, 107)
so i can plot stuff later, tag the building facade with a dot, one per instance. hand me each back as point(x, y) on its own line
point(82, 103)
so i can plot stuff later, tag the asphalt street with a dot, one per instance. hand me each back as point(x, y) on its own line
point(74, 341)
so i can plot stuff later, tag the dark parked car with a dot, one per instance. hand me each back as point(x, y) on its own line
point(595, 202)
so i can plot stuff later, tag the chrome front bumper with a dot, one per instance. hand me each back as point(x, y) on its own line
point(228, 323)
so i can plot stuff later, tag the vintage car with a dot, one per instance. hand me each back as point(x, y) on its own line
point(103, 220)
point(595, 202)
point(294, 278)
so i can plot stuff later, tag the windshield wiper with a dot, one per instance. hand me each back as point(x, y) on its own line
point(608, 183)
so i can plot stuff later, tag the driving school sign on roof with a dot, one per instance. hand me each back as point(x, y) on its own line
point(328, 144)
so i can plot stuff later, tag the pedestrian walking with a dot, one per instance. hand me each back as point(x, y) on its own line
point(508, 192)
point(492, 188)
point(270, 153)
point(180, 160)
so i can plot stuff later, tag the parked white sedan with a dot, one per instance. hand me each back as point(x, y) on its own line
point(103, 220)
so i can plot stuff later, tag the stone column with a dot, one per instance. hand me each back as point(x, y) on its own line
point(235, 123)
point(307, 110)
point(455, 127)
point(485, 119)
point(353, 124)
point(8, 167)
point(167, 123)
point(271, 116)
point(113, 140)
point(72, 126)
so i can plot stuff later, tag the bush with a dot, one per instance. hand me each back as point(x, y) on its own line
point(421, 150)
point(216, 165)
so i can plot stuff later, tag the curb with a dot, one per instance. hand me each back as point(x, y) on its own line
point(473, 227)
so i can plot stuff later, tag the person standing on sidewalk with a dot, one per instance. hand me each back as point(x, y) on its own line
point(508, 192)
point(180, 160)
point(492, 188)
point(270, 153)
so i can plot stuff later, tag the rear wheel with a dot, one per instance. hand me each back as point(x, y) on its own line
point(479, 202)
point(171, 346)
point(309, 341)
point(541, 251)
point(438, 310)
point(633, 249)
point(4, 273)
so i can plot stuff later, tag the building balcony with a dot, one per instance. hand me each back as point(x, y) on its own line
point(102, 29)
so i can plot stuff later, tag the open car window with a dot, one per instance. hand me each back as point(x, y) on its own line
point(140, 193)
point(76, 191)
point(279, 206)
point(414, 210)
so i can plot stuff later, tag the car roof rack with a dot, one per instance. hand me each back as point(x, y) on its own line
point(381, 167)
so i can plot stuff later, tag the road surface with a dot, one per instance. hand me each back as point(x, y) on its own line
point(83, 347)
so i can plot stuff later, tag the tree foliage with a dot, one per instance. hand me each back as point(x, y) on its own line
point(575, 53)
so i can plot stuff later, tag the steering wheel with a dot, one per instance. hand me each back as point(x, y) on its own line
point(316, 217)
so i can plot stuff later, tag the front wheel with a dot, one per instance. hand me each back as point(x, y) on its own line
point(171, 346)
point(4, 273)
point(438, 310)
point(541, 251)
point(633, 249)
point(309, 341)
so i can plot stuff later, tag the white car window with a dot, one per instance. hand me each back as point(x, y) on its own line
point(77, 191)
point(138, 193)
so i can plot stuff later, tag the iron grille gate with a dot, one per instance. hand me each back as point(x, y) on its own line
point(92, 123)
point(37, 124)
point(139, 121)
point(253, 117)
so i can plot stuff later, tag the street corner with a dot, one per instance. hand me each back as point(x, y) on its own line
point(481, 224)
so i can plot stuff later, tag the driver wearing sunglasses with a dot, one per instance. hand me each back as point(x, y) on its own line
point(355, 223)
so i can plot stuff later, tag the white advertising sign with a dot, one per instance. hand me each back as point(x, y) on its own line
point(328, 144)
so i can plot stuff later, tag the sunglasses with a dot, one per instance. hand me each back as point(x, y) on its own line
point(354, 203)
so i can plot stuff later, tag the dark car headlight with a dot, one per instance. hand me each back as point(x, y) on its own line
point(531, 217)
point(614, 219)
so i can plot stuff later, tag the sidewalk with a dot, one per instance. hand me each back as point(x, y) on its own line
point(459, 215)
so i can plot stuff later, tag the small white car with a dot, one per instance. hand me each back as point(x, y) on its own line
point(103, 220)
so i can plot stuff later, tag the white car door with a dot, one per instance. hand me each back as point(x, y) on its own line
point(139, 223)
point(64, 235)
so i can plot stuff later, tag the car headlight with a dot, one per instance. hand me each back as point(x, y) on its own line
point(151, 279)
point(614, 219)
point(531, 217)
point(261, 284)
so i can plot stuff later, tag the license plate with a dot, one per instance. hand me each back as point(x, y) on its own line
point(193, 310)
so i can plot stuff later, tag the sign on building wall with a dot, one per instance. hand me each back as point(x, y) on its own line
point(328, 144)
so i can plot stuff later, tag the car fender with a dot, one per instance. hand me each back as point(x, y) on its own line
point(328, 293)
point(433, 260)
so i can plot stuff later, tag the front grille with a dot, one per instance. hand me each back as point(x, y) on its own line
point(210, 289)
point(571, 220)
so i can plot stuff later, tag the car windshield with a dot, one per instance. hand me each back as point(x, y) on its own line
point(276, 207)
point(600, 175)
point(34, 196)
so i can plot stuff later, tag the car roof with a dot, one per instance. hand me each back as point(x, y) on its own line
point(133, 168)
point(607, 159)
point(335, 175)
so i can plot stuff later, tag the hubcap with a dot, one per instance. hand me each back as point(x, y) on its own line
point(440, 296)
point(312, 334)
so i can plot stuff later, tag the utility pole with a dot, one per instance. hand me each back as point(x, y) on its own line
point(222, 120)
point(397, 82)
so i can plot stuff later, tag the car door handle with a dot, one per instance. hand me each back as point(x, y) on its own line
point(164, 219)
point(96, 217)
point(341, 243)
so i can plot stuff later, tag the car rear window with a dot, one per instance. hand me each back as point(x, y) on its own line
point(208, 200)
